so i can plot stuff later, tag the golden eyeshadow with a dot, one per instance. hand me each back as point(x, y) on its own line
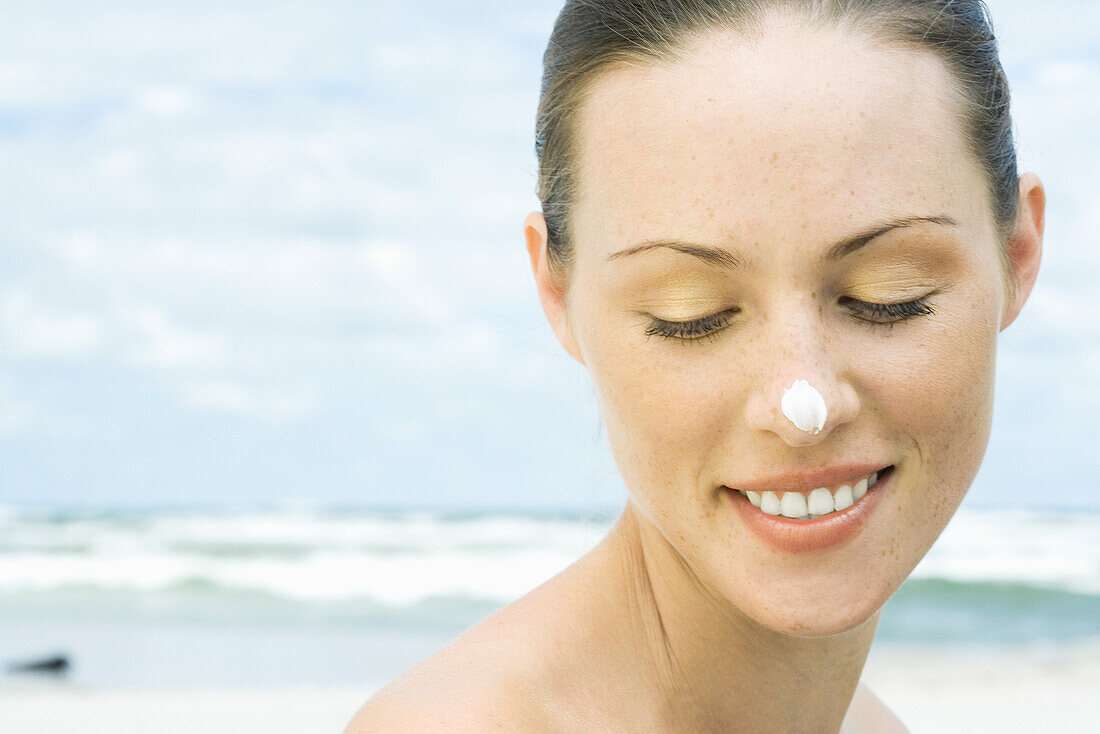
point(896, 279)
point(868, 287)
point(679, 297)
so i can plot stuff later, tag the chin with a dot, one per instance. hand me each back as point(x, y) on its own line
point(819, 623)
point(816, 615)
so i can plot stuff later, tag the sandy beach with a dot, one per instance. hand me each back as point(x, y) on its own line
point(1009, 693)
point(49, 710)
point(934, 692)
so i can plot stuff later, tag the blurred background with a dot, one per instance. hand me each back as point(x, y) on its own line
point(278, 405)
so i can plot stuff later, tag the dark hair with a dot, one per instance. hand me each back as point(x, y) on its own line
point(591, 36)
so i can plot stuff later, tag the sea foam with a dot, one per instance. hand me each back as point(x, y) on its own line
point(403, 559)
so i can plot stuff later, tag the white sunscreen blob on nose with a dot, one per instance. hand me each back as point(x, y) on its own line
point(804, 406)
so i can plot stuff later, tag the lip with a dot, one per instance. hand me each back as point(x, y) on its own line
point(803, 536)
point(810, 479)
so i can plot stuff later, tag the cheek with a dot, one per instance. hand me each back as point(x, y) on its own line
point(937, 393)
point(661, 413)
point(926, 391)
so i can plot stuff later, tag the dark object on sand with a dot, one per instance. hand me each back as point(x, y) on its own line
point(56, 665)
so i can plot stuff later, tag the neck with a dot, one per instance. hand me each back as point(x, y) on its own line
point(711, 667)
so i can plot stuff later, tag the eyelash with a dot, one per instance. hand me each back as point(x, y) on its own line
point(873, 314)
point(704, 328)
point(889, 313)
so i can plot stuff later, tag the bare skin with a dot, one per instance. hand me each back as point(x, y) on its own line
point(591, 650)
point(765, 153)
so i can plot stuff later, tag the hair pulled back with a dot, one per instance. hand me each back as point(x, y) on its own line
point(591, 36)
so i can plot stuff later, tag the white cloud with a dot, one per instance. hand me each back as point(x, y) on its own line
point(16, 414)
point(166, 100)
point(400, 428)
point(459, 352)
point(396, 270)
point(241, 399)
point(305, 280)
point(28, 413)
point(1074, 74)
point(1061, 313)
point(33, 330)
point(156, 341)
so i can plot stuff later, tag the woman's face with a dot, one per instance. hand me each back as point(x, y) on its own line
point(715, 192)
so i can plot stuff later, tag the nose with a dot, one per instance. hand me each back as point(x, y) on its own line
point(791, 353)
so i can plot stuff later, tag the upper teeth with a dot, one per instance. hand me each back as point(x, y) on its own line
point(819, 502)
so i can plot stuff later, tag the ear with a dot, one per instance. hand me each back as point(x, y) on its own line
point(551, 284)
point(1025, 248)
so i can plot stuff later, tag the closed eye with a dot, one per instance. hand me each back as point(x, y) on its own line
point(865, 311)
point(886, 313)
point(700, 328)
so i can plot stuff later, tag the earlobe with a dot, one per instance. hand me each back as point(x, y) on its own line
point(1025, 248)
point(551, 285)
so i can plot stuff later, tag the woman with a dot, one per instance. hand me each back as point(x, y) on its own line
point(783, 238)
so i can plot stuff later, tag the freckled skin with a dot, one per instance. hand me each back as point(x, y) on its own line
point(684, 419)
point(682, 620)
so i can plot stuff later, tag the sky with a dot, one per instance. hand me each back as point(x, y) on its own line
point(258, 253)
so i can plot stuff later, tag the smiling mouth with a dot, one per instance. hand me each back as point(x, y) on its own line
point(820, 502)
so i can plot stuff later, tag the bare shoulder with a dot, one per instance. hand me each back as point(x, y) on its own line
point(867, 714)
point(436, 699)
point(472, 685)
point(493, 677)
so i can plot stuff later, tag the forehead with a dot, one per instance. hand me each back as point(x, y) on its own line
point(800, 131)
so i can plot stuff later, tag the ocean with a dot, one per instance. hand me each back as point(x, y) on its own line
point(312, 597)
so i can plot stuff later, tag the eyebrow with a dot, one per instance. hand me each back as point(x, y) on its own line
point(732, 261)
